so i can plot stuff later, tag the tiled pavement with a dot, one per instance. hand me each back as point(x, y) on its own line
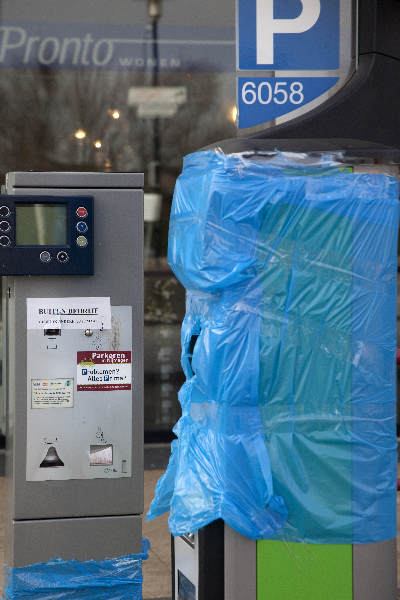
point(157, 569)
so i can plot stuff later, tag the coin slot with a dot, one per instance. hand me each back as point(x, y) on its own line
point(52, 332)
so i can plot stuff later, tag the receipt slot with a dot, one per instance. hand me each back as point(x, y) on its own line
point(71, 248)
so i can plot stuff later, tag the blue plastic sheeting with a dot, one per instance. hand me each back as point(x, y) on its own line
point(288, 411)
point(112, 579)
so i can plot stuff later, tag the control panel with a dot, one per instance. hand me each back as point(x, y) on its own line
point(46, 235)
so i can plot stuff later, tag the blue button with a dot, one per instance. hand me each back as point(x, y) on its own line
point(81, 227)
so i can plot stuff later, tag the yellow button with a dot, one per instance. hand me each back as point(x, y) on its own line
point(81, 241)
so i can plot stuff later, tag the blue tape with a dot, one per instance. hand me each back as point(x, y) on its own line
point(112, 579)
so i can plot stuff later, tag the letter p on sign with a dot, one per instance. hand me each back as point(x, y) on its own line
point(267, 26)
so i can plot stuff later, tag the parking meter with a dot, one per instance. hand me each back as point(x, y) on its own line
point(71, 248)
point(278, 566)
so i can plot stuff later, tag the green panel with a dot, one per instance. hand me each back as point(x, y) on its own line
point(291, 571)
point(305, 372)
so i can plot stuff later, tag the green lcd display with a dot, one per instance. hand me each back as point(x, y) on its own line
point(41, 224)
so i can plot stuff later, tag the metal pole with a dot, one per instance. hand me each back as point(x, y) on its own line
point(154, 11)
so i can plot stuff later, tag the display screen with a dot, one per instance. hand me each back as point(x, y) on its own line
point(41, 224)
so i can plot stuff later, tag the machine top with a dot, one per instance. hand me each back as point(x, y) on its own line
point(44, 179)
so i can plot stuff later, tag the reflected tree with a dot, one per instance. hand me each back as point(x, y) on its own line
point(42, 109)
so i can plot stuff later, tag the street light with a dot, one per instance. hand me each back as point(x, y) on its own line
point(80, 134)
point(233, 113)
point(154, 12)
point(154, 8)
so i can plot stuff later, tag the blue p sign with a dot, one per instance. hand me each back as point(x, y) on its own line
point(288, 34)
point(285, 35)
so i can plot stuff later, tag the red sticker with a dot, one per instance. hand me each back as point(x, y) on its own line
point(105, 370)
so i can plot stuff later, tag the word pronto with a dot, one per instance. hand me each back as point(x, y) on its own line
point(18, 48)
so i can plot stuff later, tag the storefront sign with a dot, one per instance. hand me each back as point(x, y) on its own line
point(75, 46)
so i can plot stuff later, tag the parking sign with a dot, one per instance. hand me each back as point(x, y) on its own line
point(299, 46)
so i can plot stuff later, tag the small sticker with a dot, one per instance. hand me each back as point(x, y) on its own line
point(52, 393)
point(104, 371)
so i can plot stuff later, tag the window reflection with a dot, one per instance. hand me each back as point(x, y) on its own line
point(65, 107)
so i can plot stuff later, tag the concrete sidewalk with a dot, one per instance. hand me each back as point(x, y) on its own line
point(157, 569)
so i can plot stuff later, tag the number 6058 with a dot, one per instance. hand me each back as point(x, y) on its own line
point(279, 92)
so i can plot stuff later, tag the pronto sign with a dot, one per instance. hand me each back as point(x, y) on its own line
point(291, 56)
point(87, 46)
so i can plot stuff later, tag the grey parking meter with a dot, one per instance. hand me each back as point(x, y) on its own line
point(71, 259)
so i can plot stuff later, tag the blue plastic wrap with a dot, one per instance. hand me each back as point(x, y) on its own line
point(112, 579)
point(288, 410)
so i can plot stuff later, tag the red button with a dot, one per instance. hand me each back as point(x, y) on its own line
point(81, 212)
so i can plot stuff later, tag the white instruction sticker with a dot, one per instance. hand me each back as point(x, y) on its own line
point(52, 393)
point(68, 313)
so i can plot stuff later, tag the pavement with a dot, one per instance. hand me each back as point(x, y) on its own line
point(157, 569)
